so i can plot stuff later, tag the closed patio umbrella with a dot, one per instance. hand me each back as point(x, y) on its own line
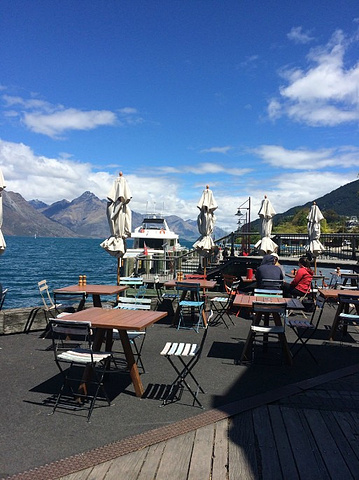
point(314, 218)
point(205, 222)
point(266, 214)
point(119, 219)
point(2, 240)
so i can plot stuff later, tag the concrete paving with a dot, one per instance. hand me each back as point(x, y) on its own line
point(31, 438)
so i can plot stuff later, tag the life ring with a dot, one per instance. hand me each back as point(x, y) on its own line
point(162, 231)
point(142, 230)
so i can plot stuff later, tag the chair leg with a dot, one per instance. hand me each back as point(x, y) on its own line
point(30, 319)
point(79, 398)
point(181, 380)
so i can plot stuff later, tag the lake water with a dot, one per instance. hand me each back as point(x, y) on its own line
point(60, 261)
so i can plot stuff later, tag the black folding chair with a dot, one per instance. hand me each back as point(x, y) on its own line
point(187, 355)
point(2, 298)
point(81, 367)
point(222, 305)
point(305, 329)
point(69, 302)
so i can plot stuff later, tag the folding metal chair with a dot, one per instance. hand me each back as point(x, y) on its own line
point(305, 329)
point(164, 299)
point(137, 339)
point(75, 301)
point(73, 362)
point(183, 357)
point(189, 307)
point(222, 305)
point(2, 299)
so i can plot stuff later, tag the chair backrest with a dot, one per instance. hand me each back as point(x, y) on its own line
point(141, 292)
point(319, 306)
point(335, 280)
point(2, 299)
point(263, 292)
point(70, 332)
point(269, 307)
point(72, 298)
point(45, 295)
point(228, 281)
point(159, 290)
point(268, 283)
point(194, 276)
point(204, 336)
point(188, 286)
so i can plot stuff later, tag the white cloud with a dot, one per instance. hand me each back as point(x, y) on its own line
point(324, 94)
point(217, 149)
point(304, 159)
point(298, 36)
point(54, 179)
point(55, 124)
point(45, 118)
point(203, 168)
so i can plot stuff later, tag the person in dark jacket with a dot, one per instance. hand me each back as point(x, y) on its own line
point(268, 270)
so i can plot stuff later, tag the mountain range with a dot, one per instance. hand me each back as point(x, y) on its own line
point(85, 216)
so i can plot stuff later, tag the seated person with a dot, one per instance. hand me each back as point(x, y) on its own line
point(301, 283)
point(268, 270)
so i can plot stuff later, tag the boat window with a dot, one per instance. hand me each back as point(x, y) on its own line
point(151, 243)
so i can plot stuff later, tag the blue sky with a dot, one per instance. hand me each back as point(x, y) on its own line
point(249, 97)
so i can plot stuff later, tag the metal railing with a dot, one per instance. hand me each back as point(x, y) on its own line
point(340, 246)
point(337, 247)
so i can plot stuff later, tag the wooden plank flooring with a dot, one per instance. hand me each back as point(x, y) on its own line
point(313, 434)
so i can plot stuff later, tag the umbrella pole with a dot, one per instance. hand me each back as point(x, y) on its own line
point(119, 262)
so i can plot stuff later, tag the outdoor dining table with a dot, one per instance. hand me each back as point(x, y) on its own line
point(106, 319)
point(204, 284)
point(246, 301)
point(95, 290)
point(352, 278)
point(332, 294)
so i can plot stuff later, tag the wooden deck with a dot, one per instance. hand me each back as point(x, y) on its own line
point(312, 434)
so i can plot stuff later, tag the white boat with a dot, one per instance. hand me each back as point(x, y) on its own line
point(154, 238)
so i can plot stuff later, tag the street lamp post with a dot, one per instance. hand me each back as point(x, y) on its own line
point(244, 214)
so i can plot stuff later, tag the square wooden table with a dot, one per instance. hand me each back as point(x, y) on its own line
point(106, 319)
point(203, 284)
point(246, 301)
point(95, 290)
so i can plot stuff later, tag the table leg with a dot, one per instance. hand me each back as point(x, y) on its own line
point(96, 300)
point(176, 315)
point(335, 321)
point(135, 376)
